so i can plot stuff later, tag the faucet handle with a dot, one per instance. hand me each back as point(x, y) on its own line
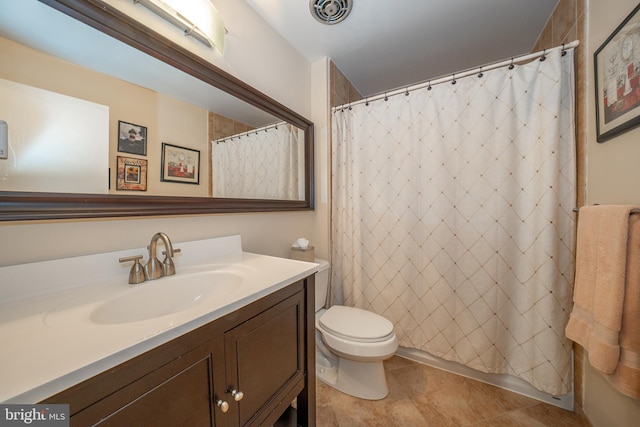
point(137, 273)
point(168, 265)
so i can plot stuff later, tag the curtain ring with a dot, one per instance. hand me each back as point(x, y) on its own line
point(511, 66)
point(543, 57)
point(480, 74)
point(454, 79)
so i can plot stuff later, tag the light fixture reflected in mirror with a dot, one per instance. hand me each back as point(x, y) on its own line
point(197, 18)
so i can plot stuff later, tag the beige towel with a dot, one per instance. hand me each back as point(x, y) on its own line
point(626, 378)
point(607, 268)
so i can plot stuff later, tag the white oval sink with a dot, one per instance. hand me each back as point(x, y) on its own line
point(165, 296)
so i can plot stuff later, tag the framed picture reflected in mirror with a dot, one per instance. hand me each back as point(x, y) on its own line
point(132, 138)
point(180, 164)
point(132, 174)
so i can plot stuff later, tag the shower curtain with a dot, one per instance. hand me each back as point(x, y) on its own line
point(452, 217)
point(261, 164)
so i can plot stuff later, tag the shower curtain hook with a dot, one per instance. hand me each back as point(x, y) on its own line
point(480, 74)
point(543, 57)
point(454, 79)
point(366, 102)
point(511, 66)
point(564, 52)
point(429, 86)
point(406, 91)
point(349, 106)
point(386, 98)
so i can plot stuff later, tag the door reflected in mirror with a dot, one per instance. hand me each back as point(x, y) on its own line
point(57, 143)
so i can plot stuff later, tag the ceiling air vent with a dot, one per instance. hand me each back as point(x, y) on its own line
point(330, 11)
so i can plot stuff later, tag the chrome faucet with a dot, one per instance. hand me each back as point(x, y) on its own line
point(154, 268)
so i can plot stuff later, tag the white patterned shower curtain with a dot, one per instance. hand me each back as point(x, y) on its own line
point(264, 163)
point(452, 217)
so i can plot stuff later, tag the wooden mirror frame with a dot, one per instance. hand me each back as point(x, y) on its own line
point(17, 206)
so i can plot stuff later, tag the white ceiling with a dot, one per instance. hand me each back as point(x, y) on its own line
point(388, 44)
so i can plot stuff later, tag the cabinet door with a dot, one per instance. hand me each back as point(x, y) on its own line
point(179, 393)
point(265, 361)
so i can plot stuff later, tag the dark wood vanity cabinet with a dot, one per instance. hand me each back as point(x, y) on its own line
point(178, 393)
point(244, 369)
point(264, 361)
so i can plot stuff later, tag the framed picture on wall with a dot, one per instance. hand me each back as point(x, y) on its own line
point(617, 73)
point(180, 164)
point(132, 174)
point(132, 138)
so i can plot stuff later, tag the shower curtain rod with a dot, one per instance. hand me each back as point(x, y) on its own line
point(240, 135)
point(454, 76)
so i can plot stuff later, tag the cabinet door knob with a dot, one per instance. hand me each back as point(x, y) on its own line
point(224, 406)
point(237, 395)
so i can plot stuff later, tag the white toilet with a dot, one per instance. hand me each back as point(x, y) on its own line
point(351, 344)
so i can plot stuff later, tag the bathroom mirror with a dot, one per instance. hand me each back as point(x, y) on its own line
point(191, 80)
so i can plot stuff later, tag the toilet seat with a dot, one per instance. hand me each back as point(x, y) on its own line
point(354, 324)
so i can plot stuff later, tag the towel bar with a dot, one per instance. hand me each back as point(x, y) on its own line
point(633, 211)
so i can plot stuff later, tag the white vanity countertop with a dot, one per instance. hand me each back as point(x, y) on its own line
point(49, 342)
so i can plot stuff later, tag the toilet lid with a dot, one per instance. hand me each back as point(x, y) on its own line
point(355, 323)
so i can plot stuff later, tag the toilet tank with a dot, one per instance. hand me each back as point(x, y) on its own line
point(322, 283)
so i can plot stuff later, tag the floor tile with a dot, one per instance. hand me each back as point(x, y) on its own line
point(423, 396)
point(545, 415)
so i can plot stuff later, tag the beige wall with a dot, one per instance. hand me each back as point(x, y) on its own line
point(166, 119)
point(612, 176)
point(287, 80)
point(613, 172)
point(322, 130)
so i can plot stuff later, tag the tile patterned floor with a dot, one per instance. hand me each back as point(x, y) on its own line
point(423, 396)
